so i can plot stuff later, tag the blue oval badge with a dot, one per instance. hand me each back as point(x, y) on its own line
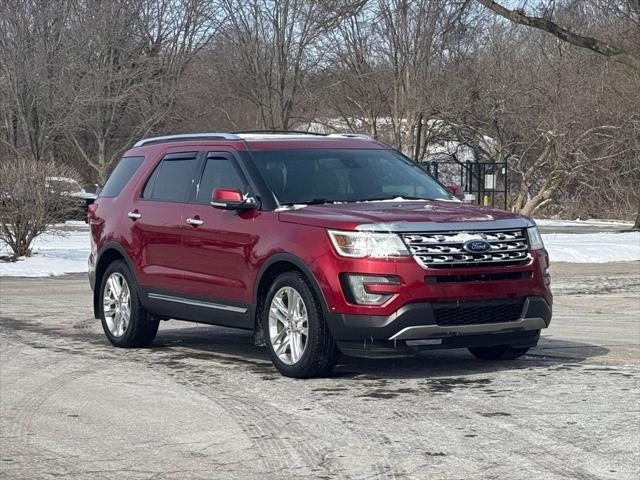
point(477, 246)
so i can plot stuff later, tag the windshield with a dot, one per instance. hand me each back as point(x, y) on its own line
point(325, 176)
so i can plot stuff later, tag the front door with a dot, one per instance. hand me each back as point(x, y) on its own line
point(218, 244)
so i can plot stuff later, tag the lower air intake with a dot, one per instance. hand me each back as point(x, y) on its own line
point(478, 312)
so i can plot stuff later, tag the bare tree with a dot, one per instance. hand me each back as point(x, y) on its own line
point(628, 10)
point(33, 46)
point(617, 23)
point(29, 204)
point(563, 158)
point(276, 46)
point(416, 34)
point(388, 64)
point(127, 72)
point(359, 92)
point(80, 80)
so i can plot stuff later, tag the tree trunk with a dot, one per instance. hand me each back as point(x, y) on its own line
point(636, 225)
point(22, 249)
point(417, 139)
point(546, 193)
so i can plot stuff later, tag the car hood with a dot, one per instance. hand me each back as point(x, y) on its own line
point(398, 216)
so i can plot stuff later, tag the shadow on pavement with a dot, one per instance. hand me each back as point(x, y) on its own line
point(235, 347)
point(180, 348)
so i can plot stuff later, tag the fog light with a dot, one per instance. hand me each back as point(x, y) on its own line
point(546, 277)
point(370, 289)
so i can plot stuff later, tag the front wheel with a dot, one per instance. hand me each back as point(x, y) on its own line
point(124, 320)
point(500, 352)
point(298, 338)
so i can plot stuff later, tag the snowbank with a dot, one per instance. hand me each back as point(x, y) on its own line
point(53, 254)
point(67, 251)
point(584, 223)
point(593, 247)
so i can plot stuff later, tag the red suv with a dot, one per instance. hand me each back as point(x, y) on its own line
point(320, 244)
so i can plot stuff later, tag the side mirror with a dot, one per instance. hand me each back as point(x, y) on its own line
point(455, 190)
point(231, 199)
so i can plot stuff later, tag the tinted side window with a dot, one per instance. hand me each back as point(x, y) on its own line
point(172, 179)
point(219, 172)
point(148, 188)
point(120, 176)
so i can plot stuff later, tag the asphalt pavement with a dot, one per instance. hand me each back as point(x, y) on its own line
point(203, 402)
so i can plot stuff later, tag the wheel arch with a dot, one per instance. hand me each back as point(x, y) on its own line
point(274, 266)
point(111, 252)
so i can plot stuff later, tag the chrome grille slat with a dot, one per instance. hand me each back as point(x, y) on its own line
point(445, 249)
point(518, 247)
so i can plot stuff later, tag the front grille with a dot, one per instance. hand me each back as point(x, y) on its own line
point(446, 249)
point(477, 312)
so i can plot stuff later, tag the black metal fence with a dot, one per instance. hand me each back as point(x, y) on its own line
point(484, 183)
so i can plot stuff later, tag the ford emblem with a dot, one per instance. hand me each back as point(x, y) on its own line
point(477, 246)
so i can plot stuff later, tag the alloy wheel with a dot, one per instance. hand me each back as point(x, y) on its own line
point(117, 304)
point(288, 325)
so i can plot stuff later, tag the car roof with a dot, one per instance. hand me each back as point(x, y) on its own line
point(258, 141)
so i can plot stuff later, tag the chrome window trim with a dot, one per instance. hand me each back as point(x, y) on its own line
point(459, 227)
point(197, 303)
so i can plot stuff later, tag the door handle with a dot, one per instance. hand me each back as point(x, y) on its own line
point(194, 221)
point(134, 215)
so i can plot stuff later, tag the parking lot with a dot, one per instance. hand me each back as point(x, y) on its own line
point(203, 402)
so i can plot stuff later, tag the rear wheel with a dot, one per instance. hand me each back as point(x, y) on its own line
point(124, 320)
point(296, 334)
point(500, 352)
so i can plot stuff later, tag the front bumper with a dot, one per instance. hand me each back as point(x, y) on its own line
point(369, 335)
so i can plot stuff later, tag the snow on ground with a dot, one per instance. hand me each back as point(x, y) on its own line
point(584, 223)
point(54, 253)
point(67, 250)
point(593, 247)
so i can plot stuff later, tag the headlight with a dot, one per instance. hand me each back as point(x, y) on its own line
point(367, 244)
point(535, 239)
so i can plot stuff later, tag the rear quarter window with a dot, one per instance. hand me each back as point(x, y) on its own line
point(121, 176)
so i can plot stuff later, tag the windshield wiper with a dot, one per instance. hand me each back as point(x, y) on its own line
point(315, 201)
point(320, 201)
point(393, 197)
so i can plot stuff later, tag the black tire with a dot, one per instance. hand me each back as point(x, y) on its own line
point(500, 352)
point(142, 327)
point(320, 352)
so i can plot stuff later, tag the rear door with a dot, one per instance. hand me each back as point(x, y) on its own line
point(158, 217)
point(218, 244)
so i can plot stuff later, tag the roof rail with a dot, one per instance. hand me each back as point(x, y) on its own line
point(281, 132)
point(187, 136)
point(351, 135)
point(301, 132)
